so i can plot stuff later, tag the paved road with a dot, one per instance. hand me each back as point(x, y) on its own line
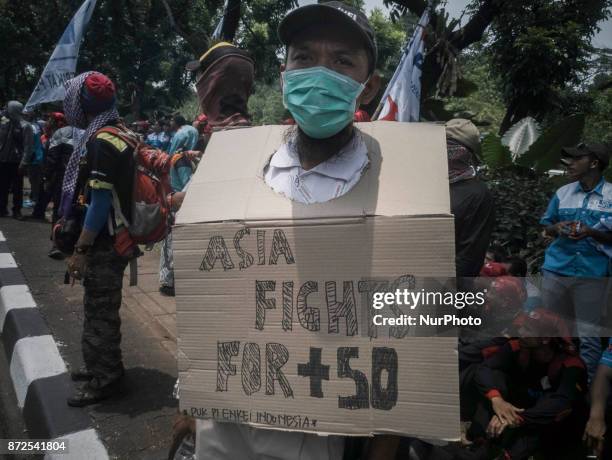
point(138, 424)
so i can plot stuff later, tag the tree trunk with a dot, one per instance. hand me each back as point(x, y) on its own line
point(460, 39)
point(231, 20)
point(196, 41)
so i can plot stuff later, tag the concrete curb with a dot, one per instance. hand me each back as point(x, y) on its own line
point(38, 372)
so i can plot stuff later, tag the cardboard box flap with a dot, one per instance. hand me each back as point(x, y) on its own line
point(408, 176)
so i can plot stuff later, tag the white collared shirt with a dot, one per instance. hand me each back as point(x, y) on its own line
point(326, 181)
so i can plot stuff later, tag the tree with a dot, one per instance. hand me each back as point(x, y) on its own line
point(483, 104)
point(445, 40)
point(257, 34)
point(539, 48)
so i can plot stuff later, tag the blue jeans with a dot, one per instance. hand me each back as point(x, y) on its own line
point(579, 301)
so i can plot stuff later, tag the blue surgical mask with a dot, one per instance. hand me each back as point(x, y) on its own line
point(321, 101)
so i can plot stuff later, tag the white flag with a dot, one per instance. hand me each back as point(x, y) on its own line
point(62, 64)
point(402, 98)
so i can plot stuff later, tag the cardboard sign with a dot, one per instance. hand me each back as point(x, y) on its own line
point(274, 297)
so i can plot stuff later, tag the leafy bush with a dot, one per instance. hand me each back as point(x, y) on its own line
point(521, 196)
point(266, 105)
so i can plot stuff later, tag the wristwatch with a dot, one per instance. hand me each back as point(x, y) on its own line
point(81, 249)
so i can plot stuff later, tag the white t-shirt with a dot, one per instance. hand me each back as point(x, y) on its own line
point(326, 181)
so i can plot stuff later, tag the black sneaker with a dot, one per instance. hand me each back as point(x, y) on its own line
point(56, 254)
point(17, 215)
point(167, 291)
point(81, 375)
point(86, 395)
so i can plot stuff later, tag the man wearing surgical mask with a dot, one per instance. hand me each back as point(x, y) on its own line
point(328, 74)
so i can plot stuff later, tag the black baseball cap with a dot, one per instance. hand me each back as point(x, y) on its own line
point(599, 151)
point(329, 13)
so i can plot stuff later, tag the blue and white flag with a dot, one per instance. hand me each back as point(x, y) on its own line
point(216, 35)
point(62, 64)
point(402, 98)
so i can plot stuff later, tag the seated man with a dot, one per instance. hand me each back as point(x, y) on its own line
point(532, 391)
point(329, 72)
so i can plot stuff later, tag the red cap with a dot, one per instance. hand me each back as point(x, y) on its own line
point(100, 86)
point(58, 118)
point(542, 322)
point(509, 290)
point(493, 269)
point(98, 93)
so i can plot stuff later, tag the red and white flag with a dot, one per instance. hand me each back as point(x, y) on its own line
point(402, 98)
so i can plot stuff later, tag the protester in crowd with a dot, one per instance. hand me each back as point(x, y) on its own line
point(158, 138)
point(533, 392)
point(361, 116)
point(471, 202)
point(336, 44)
point(185, 136)
point(141, 128)
point(58, 149)
point(574, 270)
point(61, 146)
point(518, 267)
point(596, 432)
point(101, 163)
point(16, 150)
point(204, 129)
point(504, 300)
point(224, 82)
point(183, 167)
point(167, 129)
point(495, 253)
point(35, 168)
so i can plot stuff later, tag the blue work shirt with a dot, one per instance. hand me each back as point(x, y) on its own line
point(159, 140)
point(185, 138)
point(578, 258)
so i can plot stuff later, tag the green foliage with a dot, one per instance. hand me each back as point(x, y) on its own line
point(135, 42)
point(391, 38)
point(494, 154)
point(257, 34)
point(598, 125)
point(266, 105)
point(484, 104)
point(359, 4)
point(190, 108)
point(521, 197)
point(540, 47)
point(545, 152)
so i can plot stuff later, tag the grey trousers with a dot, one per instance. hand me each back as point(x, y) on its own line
point(579, 301)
